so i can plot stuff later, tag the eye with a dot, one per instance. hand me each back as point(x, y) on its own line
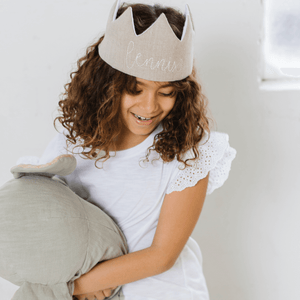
point(172, 94)
point(134, 92)
point(137, 90)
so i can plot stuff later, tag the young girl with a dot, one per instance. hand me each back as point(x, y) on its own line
point(146, 156)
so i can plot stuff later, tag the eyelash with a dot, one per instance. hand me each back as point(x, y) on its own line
point(165, 95)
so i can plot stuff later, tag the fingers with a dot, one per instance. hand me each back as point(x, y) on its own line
point(107, 292)
point(92, 296)
point(100, 295)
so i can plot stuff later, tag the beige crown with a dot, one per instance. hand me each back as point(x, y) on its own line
point(156, 54)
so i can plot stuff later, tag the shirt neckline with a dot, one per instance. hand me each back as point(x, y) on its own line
point(139, 147)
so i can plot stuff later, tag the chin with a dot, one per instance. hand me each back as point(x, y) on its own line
point(142, 131)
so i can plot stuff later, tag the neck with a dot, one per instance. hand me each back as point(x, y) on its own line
point(127, 140)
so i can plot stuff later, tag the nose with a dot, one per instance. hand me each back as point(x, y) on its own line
point(148, 103)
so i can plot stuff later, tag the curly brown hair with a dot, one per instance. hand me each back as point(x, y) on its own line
point(91, 101)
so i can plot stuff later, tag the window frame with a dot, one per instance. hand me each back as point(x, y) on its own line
point(270, 78)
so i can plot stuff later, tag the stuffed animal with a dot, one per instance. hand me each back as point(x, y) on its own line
point(49, 236)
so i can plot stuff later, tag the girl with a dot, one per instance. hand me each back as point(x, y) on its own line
point(137, 118)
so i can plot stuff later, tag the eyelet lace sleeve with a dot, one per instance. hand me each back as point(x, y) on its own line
point(215, 156)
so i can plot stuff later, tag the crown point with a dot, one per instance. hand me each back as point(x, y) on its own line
point(189, 13)
point(117, 6)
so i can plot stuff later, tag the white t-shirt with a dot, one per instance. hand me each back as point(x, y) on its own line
point(132, 191)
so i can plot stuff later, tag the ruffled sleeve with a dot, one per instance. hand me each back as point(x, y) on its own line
point(55, 148)
point(215, 156)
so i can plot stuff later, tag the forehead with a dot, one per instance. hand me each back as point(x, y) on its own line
point(153, 84)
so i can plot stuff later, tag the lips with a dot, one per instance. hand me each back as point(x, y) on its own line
point(142, 122)
point(141, 118)
point(136, 115)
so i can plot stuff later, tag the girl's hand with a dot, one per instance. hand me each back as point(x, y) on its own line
point(100, 295)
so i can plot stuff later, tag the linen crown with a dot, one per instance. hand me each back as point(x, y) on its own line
point(156, 54)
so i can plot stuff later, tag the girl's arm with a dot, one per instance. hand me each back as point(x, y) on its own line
point(118, 271)
point(179, 214)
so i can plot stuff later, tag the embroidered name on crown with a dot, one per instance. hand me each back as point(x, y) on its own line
point(142, 62)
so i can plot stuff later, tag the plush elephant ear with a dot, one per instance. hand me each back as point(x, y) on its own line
point(34, 291)
point(62, 165)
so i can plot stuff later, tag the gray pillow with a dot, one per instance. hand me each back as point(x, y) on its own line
point(49, 236)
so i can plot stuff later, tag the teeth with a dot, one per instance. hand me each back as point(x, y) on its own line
point(142, 118)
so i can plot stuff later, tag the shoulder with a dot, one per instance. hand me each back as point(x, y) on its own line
point(215, 158)
point(51, 151)
point(211, 144)
point(55, 147)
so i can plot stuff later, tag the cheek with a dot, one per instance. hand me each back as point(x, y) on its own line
point(127, 102)
point(167, 106)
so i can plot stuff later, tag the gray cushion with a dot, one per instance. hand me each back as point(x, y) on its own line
point(49, 236)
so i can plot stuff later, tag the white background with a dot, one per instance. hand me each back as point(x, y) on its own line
point(249, 229)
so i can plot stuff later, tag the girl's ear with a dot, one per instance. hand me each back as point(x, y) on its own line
point(62, 165)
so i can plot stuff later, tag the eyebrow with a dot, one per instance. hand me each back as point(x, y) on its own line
point(165, 85)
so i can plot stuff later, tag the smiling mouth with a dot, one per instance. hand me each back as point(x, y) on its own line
point(142, 118)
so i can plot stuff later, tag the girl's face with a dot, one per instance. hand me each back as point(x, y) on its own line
point(143, 112)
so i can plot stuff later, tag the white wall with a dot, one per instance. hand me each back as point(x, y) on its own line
point(248, 230)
